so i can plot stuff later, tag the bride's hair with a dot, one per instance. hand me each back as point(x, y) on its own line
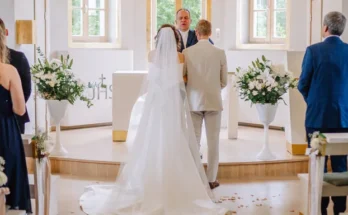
point(176, 34)
point(3, 47)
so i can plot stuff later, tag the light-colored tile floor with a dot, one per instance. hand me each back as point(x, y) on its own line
point(269, 196)
point(261, 197)
point(96, 144)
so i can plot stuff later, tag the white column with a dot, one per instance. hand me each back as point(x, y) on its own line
point(233, 107)
point(295, 128)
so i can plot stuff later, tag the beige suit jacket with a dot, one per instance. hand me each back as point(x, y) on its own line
point(206, 70)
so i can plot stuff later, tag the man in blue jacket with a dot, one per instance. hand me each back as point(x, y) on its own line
point(324, 86)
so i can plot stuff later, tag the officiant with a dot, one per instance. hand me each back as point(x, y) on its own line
point(183, 21)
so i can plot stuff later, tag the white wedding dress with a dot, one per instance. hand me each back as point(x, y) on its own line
point(163, 174)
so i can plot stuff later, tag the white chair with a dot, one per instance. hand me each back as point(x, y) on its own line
point(316, 184)
point(41, 173)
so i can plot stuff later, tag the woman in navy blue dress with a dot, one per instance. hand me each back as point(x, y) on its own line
point(11, 145)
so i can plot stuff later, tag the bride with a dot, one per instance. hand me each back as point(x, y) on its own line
point(164, 174)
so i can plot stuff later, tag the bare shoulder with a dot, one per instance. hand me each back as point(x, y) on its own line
point(181, 57)
point(8, 73)
point(11, 71)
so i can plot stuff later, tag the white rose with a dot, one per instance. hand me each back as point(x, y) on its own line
point(259, 86)
point(263, 93)
point(3, 179)
point(52, 83)
point(315, 143)
point(255, 93)
point(274, 84)
point(269, 89)
point(251, 85)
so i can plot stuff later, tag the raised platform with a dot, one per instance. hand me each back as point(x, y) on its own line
point(93, 153)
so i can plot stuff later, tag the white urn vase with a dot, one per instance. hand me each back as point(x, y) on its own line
point(57, 111)
point(266, 113)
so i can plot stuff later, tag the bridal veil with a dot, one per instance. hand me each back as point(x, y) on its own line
point(163, 174)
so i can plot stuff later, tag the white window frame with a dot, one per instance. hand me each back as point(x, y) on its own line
point(85, 9)
point(269, 39)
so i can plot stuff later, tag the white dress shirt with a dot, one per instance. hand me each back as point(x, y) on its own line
point(184, 35)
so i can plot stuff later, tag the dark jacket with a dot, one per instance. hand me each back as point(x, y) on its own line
point(324, 84)
point(20, 62)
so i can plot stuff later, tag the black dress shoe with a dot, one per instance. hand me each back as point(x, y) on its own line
point(214, 184)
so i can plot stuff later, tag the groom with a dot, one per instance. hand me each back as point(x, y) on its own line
point(206, 70)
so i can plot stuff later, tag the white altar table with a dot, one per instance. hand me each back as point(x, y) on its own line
point(126, 86)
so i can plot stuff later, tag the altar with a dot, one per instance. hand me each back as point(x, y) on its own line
point(126, 87)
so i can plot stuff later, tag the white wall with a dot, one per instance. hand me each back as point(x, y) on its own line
point(298, 37)
point(91, 63)
point(133, 53)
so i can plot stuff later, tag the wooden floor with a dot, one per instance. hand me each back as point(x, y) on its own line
point(92, 153)
point(96, 144)
point(271, 196)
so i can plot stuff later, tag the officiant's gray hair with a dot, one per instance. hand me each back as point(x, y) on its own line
point(336, 22)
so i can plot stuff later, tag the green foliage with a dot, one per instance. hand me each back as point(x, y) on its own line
point(280, 30)
point(94, 19)
point(94, 23)
point(76, 3)
point(55, 80)
point(77, 22)
point(165, 12)
point(261, 19)
point(195, 7)
point(264, 83)
point(40, 140)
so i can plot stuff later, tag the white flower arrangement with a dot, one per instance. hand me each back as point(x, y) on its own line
point(41, 140)
point(263, 82)
point(318, 140)
point(55, 80)
point(3, 177)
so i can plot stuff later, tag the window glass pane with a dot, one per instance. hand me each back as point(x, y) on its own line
point(280, 4)
point(260, 4)
point(165, 12)
point(96, 23)
point(100, 4)
point(77, 22)
point(279, 24)
point(195, 7)
point(260, 24)
point(77, 3)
